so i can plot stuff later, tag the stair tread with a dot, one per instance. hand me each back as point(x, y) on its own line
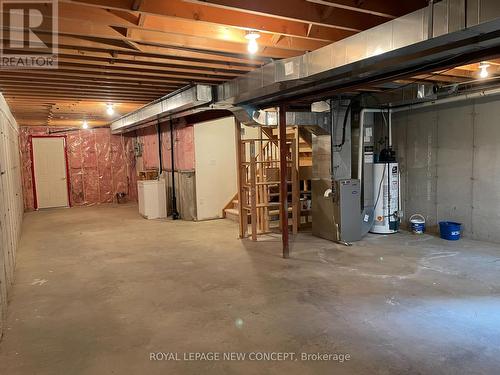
point(233, 211)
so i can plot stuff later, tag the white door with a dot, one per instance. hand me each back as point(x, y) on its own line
point(49, 163)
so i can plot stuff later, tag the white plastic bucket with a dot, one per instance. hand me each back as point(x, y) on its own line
point(417, 224)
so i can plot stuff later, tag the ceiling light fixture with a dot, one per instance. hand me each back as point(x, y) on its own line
point(252, 37)
point(484, 70)
point(85, 124)
point(110, 110)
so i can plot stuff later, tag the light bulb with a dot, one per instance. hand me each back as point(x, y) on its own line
point(484, 70)
point(253, 47)
point(252, 37)
point(85, 124)
point(110, 110)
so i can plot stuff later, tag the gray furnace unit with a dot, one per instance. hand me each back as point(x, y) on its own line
point(336, 208)
point(336, 212)
point(346, 207)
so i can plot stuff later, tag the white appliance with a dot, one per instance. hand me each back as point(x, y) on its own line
point(152, 199)
point(386, 197)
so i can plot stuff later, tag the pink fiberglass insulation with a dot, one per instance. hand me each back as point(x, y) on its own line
point(183, 147)
point(149, 139)
point(100, 165)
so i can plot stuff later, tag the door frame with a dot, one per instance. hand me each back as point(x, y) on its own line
point(68, 183)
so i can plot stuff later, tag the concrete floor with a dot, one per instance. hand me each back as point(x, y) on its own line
point(98, 289)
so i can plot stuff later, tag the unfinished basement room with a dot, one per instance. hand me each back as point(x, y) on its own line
point(249, 187)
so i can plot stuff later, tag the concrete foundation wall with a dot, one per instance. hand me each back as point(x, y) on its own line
point(450, 164)
point(11, 203)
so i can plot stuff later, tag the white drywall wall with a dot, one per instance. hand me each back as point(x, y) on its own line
point(215, 163)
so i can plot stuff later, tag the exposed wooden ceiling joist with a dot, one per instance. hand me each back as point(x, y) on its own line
point(134, 51)
point(201, 13)
point(383, 8)
point(299, 10)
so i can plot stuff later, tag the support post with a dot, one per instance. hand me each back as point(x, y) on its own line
point(283, 181)
point(253, 190)
point(295, 186)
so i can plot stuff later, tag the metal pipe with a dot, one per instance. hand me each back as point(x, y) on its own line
point(452, 99)
point(332, 140)
point(160, 156)
point(175, 213)
point(361, 136)
point(390, 127)
point(283, 181)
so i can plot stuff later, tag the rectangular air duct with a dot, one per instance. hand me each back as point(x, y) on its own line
point(187, 98)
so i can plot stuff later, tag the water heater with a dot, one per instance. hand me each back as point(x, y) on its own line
point(386, 191)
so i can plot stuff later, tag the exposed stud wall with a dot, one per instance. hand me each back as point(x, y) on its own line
point(450, 163)
point(11, 203)
point(183, 147)
point(184, 163)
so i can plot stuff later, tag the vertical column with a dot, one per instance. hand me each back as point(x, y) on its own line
point(283, 181)
point(295, 186)
point(253, 190)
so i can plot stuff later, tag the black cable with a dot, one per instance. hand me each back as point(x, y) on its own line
point(344, 125)
point(175, 213)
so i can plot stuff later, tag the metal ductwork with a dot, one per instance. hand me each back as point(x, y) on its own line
point(446, 33)
point(187, 100)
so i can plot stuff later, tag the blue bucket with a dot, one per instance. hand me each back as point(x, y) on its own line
point(449, 230)
point(417, 224)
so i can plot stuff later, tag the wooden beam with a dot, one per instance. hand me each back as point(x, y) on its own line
point(28, 82)
point(46, 95)
point(224, 33)
point(382, 8)
point(175, 32)
point(104, 76)
point(7, 86)
point(163, 61)
point(299, 10)
point(201, 13)
point(131, 36)
point(146, 68)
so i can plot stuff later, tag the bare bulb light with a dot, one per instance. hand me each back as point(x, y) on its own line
point(252, 37)
point(253, 47)
point(85, 124)
point(484, 70)
point(110, 110)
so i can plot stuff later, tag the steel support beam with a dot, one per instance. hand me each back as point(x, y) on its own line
point(283, 182)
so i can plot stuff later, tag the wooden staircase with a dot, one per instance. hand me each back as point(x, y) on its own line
point(232, 209)
point(259, 168)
